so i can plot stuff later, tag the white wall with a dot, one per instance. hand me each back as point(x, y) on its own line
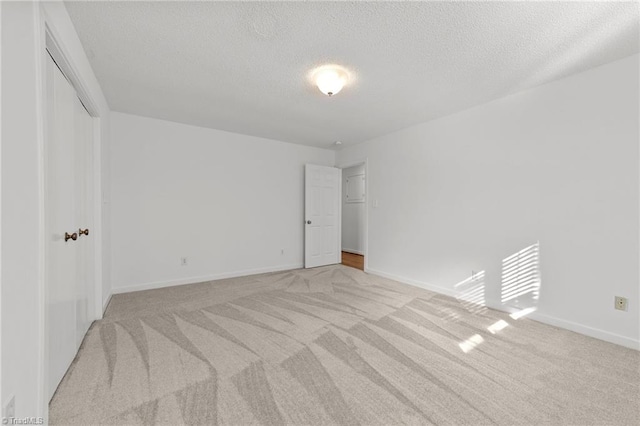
point(558, 164)
point(22, 136)
point(353, 225)
point(1, 396)
point(229, 203)
point(21, 225)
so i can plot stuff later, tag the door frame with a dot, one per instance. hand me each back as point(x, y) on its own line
point(63, 60)
point(346, 165)
point(61, 44)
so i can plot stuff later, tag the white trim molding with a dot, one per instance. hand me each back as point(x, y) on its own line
point(195, 280)
point(586, 330)
point(107, 300)
point(404, 280)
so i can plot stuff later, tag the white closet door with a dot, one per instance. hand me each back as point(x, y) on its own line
point(61, 255)
point(83, 154)
point(69, 210)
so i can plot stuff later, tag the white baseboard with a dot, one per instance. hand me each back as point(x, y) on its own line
point(361, 253)
point(106, 303)
point(586, 330)
point(194, 280)
point(536, 316)
point(415, 283)
point(572, 326)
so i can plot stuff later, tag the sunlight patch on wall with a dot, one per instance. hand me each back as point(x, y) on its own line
point(521, 278)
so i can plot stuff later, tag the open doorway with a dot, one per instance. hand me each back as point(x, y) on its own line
point(354, 211)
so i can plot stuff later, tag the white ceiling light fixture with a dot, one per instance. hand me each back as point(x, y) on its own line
point(330, 79)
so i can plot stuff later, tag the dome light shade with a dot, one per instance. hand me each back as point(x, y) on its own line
point(330, 79)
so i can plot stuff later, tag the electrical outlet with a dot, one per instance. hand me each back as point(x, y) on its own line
point(183, 261)
point(10, 408)
point(621, 303)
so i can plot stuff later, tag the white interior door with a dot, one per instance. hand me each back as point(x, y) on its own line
point(322, 196)
point(83, 189)
point(68, 208)
point(60, 216)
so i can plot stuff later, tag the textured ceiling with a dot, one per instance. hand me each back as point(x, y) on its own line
point(243, 67)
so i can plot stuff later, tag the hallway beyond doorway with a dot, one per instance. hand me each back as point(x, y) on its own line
point(353, 260)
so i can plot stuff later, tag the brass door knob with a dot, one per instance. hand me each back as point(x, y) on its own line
point(81, 232)
point(68, 236)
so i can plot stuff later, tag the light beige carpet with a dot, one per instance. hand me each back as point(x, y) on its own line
point(334, 345)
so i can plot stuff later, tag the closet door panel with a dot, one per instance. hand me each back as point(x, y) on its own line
point(83, 153)
point(60, 210)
